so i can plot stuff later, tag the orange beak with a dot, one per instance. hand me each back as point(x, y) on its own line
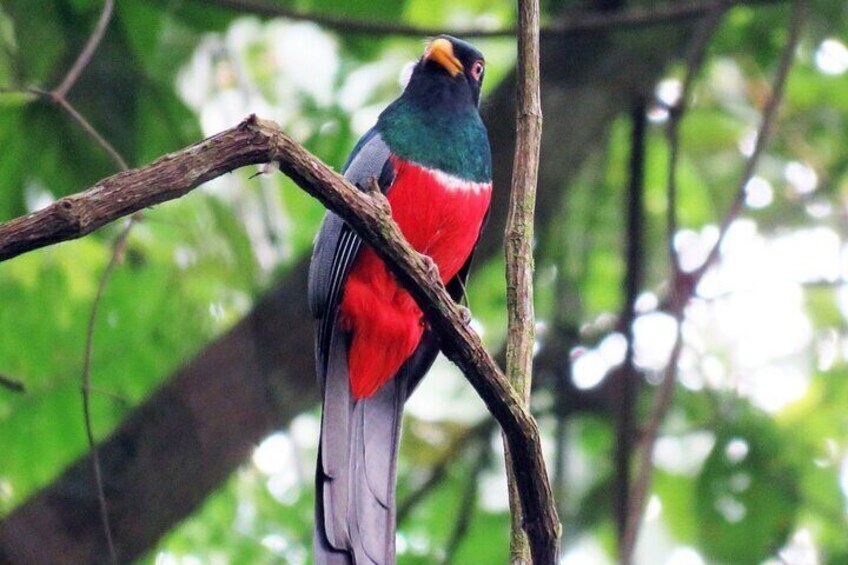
point(441, 51)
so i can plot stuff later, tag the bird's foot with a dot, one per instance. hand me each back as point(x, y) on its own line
point(465, 314)
point(430, 267)
point(380, 199)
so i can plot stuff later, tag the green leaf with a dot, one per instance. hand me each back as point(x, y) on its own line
point(747, 492)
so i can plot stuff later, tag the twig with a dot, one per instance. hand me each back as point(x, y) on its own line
point(626, 377)
point(11, 384)
point(87, 52)
point(632, 17)
point(62, 102)
point(58, 95)
point(257, 141)
point(108, 393)
point(763, 133)
point(518, 244)
point(684, 285)
point(117, 252)
point(694, 62)
point(644, 469)
point(59, 100)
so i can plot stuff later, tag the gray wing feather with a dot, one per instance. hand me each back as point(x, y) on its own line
point(336, 245)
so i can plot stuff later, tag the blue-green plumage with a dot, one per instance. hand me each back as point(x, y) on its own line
point(453, 140)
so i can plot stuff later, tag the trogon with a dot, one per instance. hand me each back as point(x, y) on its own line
point(429, 153)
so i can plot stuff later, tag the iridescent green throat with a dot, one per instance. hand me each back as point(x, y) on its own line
point(453, 141)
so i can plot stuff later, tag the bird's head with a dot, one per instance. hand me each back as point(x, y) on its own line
point(450, 70)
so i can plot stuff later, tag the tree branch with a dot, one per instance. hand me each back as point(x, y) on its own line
point(258, 141)
point(684, 285)
point(588, 20)
point(625, 379)
point(88, 51)
point(117, 251)
point(797, 18)
point(637, 493)
point(518, 243)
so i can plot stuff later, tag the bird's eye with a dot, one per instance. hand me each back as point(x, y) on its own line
point(477, 70)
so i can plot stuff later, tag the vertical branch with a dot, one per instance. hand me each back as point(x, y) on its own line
point(521, 332)
point(630, 510)
point(694, 62)
point(117, 252)
point(684, 284)
point(626, 378)
point(519, 229)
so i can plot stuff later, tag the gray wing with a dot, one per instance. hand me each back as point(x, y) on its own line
point(336, 245)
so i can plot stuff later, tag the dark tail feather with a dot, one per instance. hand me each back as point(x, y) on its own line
point(355, 479)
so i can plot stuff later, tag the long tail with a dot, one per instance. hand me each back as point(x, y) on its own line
point(357, 461)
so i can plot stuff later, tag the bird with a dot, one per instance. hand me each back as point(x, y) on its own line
point(429, 154)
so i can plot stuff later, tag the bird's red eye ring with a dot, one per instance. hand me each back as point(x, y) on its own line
point(477, 70)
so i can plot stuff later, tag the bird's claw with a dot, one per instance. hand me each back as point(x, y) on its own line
point(465, 314)
point(430, 267)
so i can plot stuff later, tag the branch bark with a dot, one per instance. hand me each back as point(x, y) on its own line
point(626, 378)
point(576, 21)
point(518, 241)
point(258, 141)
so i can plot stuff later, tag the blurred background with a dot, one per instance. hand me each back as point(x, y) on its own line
point(201, 368)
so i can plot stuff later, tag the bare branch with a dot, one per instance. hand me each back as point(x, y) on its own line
point(117, 252)
point(798, 16)
point(633, 17)
point(63, 103)
point(518, 244)
point(625, 379)
point(87, 52)
point(694, 61)
point(120, 195)
point(685, 285)
point(258, 141)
